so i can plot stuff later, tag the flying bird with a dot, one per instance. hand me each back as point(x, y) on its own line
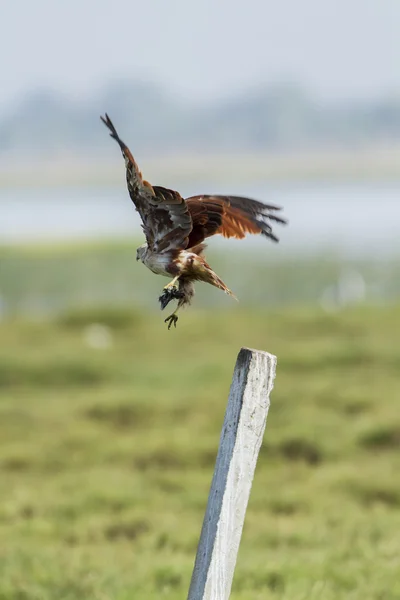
point(175, 229)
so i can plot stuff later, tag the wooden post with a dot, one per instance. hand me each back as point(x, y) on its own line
point(240, 442)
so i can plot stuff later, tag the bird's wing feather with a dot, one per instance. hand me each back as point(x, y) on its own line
point(169, 220)
point(166, 220)
point(230, 216)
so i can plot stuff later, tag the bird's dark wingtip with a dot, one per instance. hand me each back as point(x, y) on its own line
point(109, 124)
point(266, 230)
point(271, 236)
point(279, 220)
point(105, 119)
point(113, 132)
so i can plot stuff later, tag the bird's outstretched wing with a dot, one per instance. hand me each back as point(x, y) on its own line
point(230, 216)
point(166, 220)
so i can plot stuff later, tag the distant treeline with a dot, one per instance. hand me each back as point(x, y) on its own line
point(278, 117)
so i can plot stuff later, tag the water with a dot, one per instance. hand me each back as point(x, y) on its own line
point(348, 219)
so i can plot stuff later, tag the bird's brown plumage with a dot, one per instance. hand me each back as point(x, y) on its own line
point(164, 213)
point(170, 222)
point(230, 216)
point(176, 228)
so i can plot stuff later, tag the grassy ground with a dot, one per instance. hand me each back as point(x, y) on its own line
point(109, 436)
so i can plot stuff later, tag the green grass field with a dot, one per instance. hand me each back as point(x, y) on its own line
point(45, 279)
point(108, 447)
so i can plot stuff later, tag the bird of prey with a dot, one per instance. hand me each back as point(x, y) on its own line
point(175, 229)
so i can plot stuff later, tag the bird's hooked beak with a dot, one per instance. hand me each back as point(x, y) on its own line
point(140, 251)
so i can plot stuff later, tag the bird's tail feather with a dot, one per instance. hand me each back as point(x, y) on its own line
point(221, 285)
point(205, 273)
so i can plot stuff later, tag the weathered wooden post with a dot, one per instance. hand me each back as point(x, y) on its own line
point(240, 443)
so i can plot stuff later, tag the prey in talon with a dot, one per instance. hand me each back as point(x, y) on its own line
point(175, 229)
point(168, 295)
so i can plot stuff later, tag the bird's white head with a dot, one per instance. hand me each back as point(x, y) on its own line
point(141, 251)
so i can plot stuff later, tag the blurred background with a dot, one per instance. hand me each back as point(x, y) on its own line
point(109, 423)
point(294, 105)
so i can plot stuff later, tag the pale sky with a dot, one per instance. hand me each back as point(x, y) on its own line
point(201, 48)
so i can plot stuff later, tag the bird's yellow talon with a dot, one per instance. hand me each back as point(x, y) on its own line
point(171, 284)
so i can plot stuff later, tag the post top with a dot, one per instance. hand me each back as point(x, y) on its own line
point(248, 352)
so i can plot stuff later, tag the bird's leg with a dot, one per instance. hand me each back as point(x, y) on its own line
point(170, 292)
point(172, 283)
point(172, 319)
point(186, 291)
